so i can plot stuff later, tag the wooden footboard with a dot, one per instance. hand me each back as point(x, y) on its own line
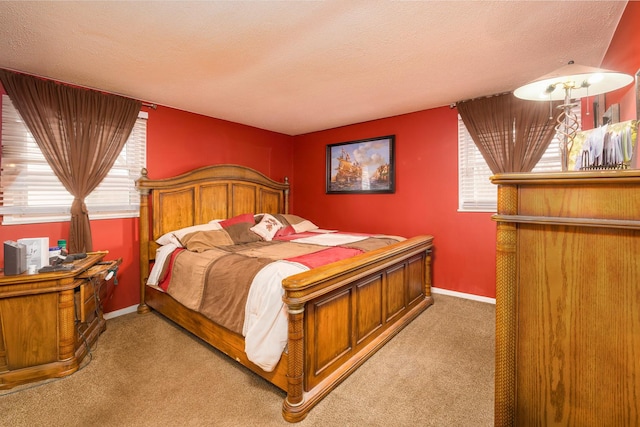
point(339, 314)
point(342, 313)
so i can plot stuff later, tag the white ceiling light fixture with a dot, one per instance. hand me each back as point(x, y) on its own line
point(569, 83)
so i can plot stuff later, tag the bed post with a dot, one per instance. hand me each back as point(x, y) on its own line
point(143, 230)
point(295, 362)
point(427, 272)
point(286, 195)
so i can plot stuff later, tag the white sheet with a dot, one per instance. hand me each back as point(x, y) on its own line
point(162, 255)
point(330, 239)
point(265, 322)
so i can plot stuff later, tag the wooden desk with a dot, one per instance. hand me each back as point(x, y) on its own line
point(48, 321)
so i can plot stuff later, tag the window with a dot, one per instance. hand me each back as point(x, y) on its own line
point(30, 192)
point(476, 193)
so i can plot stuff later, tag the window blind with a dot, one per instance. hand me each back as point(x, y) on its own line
point(30, 192)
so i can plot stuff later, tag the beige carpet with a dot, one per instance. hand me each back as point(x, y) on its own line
point(147, 372)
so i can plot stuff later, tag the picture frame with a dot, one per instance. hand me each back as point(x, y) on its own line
point(364, 166)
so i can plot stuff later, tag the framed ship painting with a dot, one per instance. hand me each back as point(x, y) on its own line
point(363, 166)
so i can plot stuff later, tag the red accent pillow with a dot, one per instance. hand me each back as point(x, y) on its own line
point(285, 231)
point(239, 229)
point(238, 220)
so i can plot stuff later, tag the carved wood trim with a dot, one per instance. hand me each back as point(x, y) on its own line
point(575, 222)
point(144, 239)
point(568, 178)
point(4, 366)
point(506, 321)
point(66, 325)
point(295, 370)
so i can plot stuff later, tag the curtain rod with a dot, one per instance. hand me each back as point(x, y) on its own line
point(144, 103)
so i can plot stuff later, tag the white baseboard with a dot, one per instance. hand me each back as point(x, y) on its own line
point(463, 295)
point(121, 312)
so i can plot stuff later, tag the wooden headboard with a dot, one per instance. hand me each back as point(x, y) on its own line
point(202, 195)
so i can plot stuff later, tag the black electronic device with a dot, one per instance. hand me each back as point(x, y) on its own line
point(54, 268)
point(73, 257)
point(15, 258)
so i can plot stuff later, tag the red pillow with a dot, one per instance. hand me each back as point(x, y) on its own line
point(239, 229)
point(285, 231)
point(238, 220)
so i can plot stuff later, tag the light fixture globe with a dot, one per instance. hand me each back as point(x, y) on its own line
point(568, 83)
point(579, 80)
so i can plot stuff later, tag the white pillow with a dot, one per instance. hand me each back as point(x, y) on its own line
point(303, 226)
point(267, 227)
point(299, 224)
point(175, 236)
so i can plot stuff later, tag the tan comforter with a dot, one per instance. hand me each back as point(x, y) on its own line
point(215, 280)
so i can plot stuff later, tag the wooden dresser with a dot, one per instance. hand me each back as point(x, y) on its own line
point(568, 299)
point(48, 321)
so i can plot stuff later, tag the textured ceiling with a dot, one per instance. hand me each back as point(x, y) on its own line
point(300, 66)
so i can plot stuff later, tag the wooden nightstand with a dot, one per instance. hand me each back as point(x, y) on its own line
point(49, 321)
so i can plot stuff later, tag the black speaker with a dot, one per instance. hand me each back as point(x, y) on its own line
point(15, 258)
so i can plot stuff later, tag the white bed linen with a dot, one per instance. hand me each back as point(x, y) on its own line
point(266, 320)
point(330, 239)
point(162, 255)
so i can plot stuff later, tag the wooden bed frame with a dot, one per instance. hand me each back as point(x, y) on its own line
point(339, 314)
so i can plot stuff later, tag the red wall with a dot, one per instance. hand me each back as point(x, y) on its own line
point(425, 200)
point(624, 56)
point(177, 141)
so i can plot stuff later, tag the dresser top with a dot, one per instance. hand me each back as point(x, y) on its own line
point(569, 177)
